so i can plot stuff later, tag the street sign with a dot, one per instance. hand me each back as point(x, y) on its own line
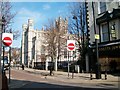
point(97, 36)
point(7, 39)
point(71, 45)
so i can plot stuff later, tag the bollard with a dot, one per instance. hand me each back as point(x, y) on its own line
point(51, 70)
point(105, 75)
point(72, 74)
point(91, 74)
point(22, 67)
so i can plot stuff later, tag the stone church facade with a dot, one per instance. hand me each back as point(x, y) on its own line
point(33, 44)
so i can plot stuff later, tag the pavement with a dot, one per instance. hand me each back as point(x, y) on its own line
point(79, 78)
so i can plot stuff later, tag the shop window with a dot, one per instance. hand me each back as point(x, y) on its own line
point(119, 3)
point(105, 34)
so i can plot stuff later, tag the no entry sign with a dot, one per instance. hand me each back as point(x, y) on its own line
point(71, 45)
point(7, 39)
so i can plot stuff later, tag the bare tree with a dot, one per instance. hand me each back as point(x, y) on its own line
point(77, 27)
point(55, 39)
point(7, 17)
point(50, 38)
point(16, 54)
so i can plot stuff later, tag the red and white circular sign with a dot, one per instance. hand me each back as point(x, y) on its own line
point(7, 41)
point(70, 45)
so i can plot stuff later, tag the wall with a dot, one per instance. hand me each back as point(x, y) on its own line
point(109, 6)
point(91, 21)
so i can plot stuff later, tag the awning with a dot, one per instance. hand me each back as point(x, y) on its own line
point(108, 16)
point(109, 43)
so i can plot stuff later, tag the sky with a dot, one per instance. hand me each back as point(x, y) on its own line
point(40, 12)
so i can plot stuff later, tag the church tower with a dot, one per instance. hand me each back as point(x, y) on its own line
point(27, 35)
point(62, 25)
point(24, 28)
point(30, 36)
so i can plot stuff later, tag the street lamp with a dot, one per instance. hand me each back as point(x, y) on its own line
point(98, 67)
point(0, 52)
point(75, 18)
point(3, 30)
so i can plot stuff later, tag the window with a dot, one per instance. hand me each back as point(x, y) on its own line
point(105, 34)
point(63, 29)
point(43, 50)
point(39, 35)
point(101, 7)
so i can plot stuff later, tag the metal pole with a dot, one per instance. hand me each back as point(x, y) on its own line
point(98, 72)
point(68, 63)
point(3, 28)
point(68, 56)
point(73, 67)
point(0, 54)
point(3, 61)
point(9, 63)
point(3, 72)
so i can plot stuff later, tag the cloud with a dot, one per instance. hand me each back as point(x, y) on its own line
point(22, 18)
point(27, 14)
point(46, 7)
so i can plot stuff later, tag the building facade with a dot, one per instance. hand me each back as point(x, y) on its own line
point(27, 35)
point(104, 20)
point(35, 49)
point(32, 46)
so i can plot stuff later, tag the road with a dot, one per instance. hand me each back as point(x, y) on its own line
point(26, 80)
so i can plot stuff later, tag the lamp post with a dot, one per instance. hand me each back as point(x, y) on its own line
point(0, 52)
point(10, 61)
point(68, 58)
point(98, 67)
point(3, 30)
point(75, 18)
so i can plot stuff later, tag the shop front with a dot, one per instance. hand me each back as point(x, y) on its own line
point(109, 42)
point(109, 56)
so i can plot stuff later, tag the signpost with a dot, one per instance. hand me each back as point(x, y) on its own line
point(98, 70)
point(7, 39)
point(97, 36)
point(70, 47)
point(6, 42)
